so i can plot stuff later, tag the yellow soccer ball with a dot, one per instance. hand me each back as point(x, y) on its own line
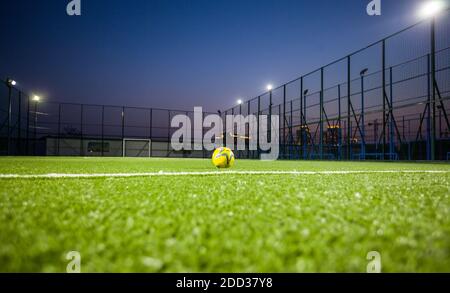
point(223, 158)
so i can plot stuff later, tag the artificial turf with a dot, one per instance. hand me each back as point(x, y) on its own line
point(223, 223)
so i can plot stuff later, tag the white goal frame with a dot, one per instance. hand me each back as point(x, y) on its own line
point(124, 141)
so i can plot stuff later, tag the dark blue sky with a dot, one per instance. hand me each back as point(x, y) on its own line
point(179, 53)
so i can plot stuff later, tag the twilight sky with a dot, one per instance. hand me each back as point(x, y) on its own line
point(179, 53)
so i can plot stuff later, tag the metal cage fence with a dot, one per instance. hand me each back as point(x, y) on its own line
point(387, 101)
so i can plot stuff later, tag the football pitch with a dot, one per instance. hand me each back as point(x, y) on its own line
point(182, 215)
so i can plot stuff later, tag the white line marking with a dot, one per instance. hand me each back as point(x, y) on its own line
point(212, 173)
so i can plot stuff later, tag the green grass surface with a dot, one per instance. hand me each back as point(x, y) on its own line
point(226, 223)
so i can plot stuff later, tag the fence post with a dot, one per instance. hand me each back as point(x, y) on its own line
point(428, 106)
point(433, 93)
point(81, 132)
point(284, 120)
point(269, 122)
point(305, 126)
point(339, 124)
point(151, 131)
point(291, 132)
point(27, 144)
point(301, 116)
point(123, 123)
point(349, 130)
point(19, 122)
point(168, 134)
point(257, 126)
point(8, 126)
point(224, 129)
point(59, 131)
point(248, 132)
point(391, 116)
point(321, 115)
point(35, 127)
point(383, 59)
point(363, 130)
point(279, 125)
point(103, 131)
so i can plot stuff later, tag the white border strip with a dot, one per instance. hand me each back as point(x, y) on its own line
point(212, 173)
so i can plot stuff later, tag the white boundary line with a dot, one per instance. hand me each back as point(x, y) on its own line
point(213, 173)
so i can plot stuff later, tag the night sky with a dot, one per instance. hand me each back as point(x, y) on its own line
point(178, 53)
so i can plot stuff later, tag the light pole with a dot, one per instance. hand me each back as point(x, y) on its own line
point(363, 133)
point(431, 9)
point(10, 83)
point(269, 122)
point(36, 99)
point(304, 126)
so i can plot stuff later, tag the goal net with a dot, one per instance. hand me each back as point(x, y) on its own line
point(136, 147)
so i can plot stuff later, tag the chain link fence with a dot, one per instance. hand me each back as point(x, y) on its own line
point(387, 101)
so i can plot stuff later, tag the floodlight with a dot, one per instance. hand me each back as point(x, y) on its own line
point(364, 71)
point(269, 87)
point(239, 102)
point(431, 8)
point(305, 92)
point(36, 98)
point(11, 82)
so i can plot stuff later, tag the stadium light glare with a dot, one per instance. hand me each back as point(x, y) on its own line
point(269, 87)
point(36, 98)
point(431, 8)
point(11, 82)
point(239, 102)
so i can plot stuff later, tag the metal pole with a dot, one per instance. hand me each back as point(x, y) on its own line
point(291, 133)
point(375, 133)
point(35, 128)
point(404, 131)
point(391, 115)
point(151, 131)
point(19, 122)
point(168, 134)
point(279, 124)
point(81, 132)
point(363, 133)
point(257, 125)
point(321, 115)
point(284, 120)
point(248, 132)
point(428, 106)
point(339, 124)
point(305, 138)
point(301, 112)
point(123, 131)
point(240, 114)
point(59, 131)
point(103, 131)
point(349, 130)
point(27, 144)
point(383, 92)
point(123, 123)
point(224, 141)
point(8, 127)
point(269, 129)
point(433, 93)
